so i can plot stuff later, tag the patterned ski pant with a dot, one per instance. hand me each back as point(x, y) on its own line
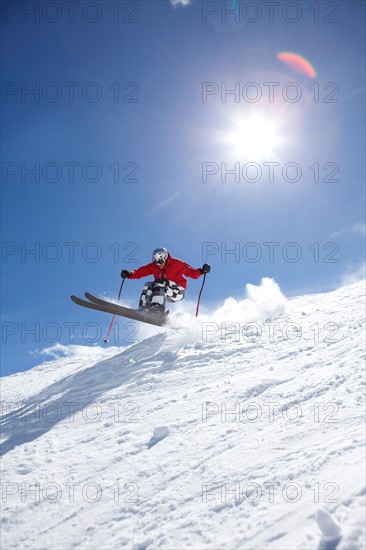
point(160, 291)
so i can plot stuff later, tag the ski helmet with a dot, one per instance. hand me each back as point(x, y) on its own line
point(160, 254)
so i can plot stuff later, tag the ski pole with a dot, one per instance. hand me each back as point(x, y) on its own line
point(114, 316)
point(199, 296)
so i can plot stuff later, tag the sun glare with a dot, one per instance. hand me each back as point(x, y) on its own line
point(255, 138)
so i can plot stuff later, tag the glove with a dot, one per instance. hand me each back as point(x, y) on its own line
point(206, 268)
point(125, 274)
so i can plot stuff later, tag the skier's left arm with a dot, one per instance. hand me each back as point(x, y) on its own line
point(193, 273)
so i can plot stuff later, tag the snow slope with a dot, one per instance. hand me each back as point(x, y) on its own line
point(244, 429)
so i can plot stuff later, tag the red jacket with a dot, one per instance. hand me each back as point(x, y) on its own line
point(174, 270)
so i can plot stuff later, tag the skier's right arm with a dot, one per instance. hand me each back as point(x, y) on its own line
point(142, 271)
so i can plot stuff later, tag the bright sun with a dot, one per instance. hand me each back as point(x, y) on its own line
point(255, 138)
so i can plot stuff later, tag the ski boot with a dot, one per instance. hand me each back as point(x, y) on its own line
point(157, 309)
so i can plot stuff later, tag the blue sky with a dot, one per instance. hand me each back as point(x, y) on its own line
point(121, 129)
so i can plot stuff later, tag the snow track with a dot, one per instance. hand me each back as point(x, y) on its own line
point(179, 441)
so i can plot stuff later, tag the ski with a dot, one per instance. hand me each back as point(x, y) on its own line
point(96, 300)
point(99, 301)
point(115, 309)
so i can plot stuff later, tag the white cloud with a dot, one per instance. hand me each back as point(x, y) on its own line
point(72, 350)
point(354, 274)
point(180, 2)
point(358, 228)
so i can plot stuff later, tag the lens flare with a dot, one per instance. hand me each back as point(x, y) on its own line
point(297, 63)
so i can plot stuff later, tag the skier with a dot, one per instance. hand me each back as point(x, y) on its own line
point(169, 280)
